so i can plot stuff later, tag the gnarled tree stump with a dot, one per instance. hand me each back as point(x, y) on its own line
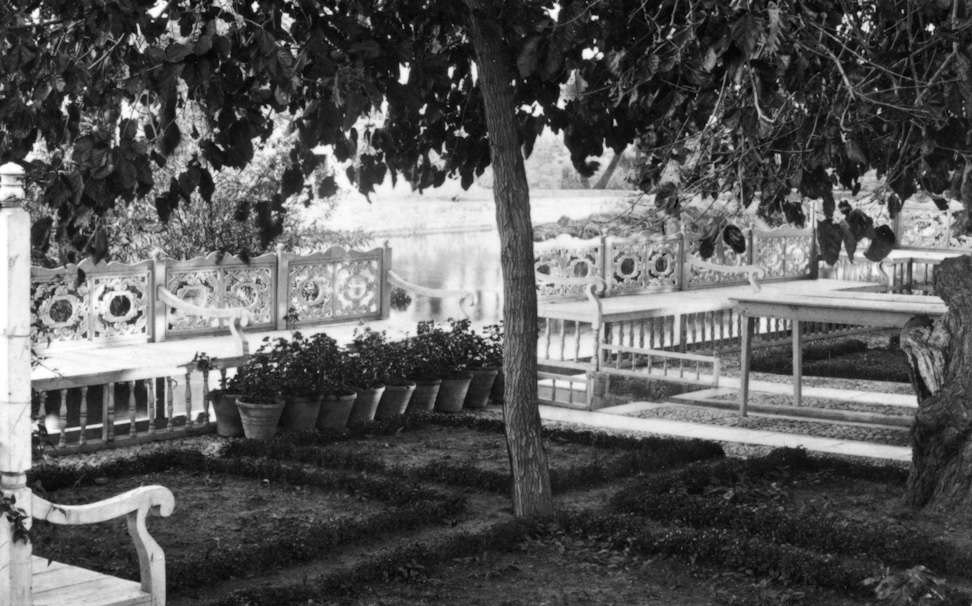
point(940, 364)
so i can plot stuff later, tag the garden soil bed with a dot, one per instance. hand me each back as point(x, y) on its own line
point(459, 446)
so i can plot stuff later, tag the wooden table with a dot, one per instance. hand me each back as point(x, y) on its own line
point(841, 307)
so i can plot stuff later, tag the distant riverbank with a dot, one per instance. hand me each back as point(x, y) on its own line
point(394, 214)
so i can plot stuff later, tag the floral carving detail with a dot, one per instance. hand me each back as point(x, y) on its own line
point(121, 308)
point(567, 262)
point(59, 311)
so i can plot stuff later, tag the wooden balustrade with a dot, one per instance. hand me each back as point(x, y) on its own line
point(148, 412)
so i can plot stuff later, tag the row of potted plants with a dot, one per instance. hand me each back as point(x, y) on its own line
point(306, 382)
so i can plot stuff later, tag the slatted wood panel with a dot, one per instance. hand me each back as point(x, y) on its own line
point(58, 584)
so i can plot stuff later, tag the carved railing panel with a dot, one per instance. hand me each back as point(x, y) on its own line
point(784, 254)
point(644, 263)
point(698, 277)
point(335, 285)
point(567, 257)
point(221, 281)
point(87, 303)
point(925, 228)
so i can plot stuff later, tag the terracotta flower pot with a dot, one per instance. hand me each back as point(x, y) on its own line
point(228, 423)
point(423, 398)
point(394, 401)
point(365, 404)
point(482, 382)
point(499, 386)
point(259, 420)
point(335, 410)
point(452, 393)
point(300, 413)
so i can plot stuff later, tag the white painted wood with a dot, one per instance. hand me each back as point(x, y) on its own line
point(467, 298)
point(851, 307)
point(239, 317)
point(15, 422)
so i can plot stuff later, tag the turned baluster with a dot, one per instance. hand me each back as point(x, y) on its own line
point(132, 409)
point(108, 414)
point(189, 422)
point(150, 404)
point(62, 417)
point(577, 340)
point(169, 403)
point(84, 414)
point(563, 337)
point(205, 397)
point(546, 334)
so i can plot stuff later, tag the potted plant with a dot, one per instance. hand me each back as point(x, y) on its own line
point(363, 369)
point(259, 401)
point(301, 380)
point(398, 388)
point(495, 334)
point(338, 400)
point(425, 362)
point(484, 359)
point(228, 423)
point(451, 347)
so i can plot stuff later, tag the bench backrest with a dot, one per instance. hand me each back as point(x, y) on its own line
point(646, 262)
point(114, 303)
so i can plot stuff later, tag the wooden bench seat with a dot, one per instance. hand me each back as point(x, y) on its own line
point(57, 584)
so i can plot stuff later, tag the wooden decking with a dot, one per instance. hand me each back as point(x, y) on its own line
point(58, 584)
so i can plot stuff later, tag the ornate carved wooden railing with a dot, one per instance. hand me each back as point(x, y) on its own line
point(112, 303)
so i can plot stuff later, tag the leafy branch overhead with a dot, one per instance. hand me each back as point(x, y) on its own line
point(769, 102)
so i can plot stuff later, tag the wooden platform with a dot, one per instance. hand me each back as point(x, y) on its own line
point(58, 584)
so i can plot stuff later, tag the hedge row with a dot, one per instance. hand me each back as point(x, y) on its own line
point(386, 564)
point(292, 541)
point(636, 456)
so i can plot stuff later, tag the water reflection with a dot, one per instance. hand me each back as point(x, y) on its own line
point(468, 261)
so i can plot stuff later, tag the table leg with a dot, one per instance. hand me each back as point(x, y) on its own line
point(797, 363)
point(746, 348)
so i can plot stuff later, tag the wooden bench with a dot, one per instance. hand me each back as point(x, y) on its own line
point(656, 299)
point(26, 580)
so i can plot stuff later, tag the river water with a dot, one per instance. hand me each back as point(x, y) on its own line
point(467, 260)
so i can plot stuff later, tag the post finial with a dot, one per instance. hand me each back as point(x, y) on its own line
point(11, 185)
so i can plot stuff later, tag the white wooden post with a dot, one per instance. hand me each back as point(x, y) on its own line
point(15, 421)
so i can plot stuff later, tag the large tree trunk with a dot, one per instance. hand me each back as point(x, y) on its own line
point(940, 364)
point(528, 461)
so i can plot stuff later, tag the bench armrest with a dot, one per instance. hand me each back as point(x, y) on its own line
point(467, 298)
point(752, 271)
point(238, 316)
point(594, 287)
point(136, 505)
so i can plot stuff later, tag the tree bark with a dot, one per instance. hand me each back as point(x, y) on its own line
point(528, 460)
point(940, 359)
point(605, 178)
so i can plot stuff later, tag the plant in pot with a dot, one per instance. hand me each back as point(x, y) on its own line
point(301, 382)
point(258, 384)
point(338, 399)
point(228, 424)
point(451, 346)
point(398, 388)
point(495, 334)
point(425, 359)
point(484, 359)
point(363, 369)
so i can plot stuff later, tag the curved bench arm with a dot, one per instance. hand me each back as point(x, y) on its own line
point(467, 298)
point(752, 271)
point(136, 505)
point(238, 316)
point(594, 287)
